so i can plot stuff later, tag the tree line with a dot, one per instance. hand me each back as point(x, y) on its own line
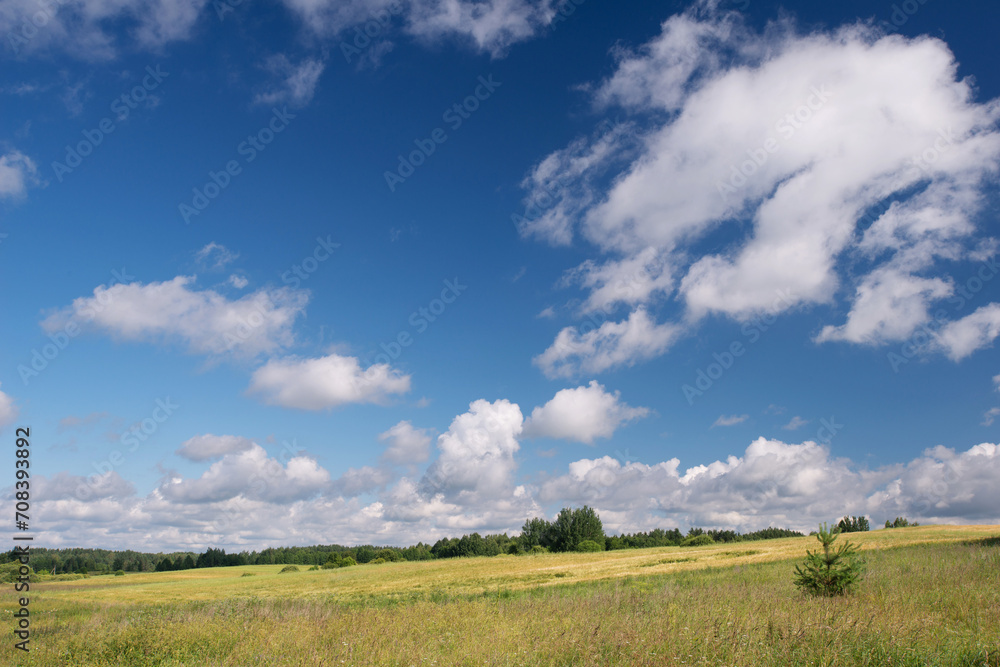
point(577, 529)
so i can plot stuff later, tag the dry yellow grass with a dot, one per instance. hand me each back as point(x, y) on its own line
point(469, 576)
point(929, 597)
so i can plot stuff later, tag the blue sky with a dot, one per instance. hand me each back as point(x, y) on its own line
point(275, 281)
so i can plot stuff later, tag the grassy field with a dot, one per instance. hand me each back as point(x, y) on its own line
point(931, 596)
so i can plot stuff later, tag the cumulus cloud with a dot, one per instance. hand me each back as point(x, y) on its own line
point(977, 330)
point(248, 499)
point(780, 484)
point(581, 414)
point(207, 447)
point(17, 172)
point(325, 382)
point(174, 311)
point(358, 481)
point(8, 411)
point(751, 171)
point(296, 84)
point(405, 444)
point(730, 420)
point(249, 471)
point(476, 453)
point(611, 345)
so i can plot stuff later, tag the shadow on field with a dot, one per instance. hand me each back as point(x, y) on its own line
point(985, 542)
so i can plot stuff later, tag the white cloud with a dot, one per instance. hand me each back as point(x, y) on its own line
point(296, 83)
point(249, 472)
point(795, 423)
point(730, 420)
point(325, 382)
point(787, 485)
point(216, 256)
point(64, 486)
point(173, 311)
point(489, 25)
point(975, 331)
point(888, 306)
point(611, 345)
point(358, 481)
point(406, 445)
point(8, 411)
point(250, 500)
point(779, 148)
point(581, 414)
point(17, 171)
point(87, 28)
point(477, 453)
point(990, 416)
point(207, 447)
point(238, 281)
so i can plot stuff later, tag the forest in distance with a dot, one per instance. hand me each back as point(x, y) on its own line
point(573, 530)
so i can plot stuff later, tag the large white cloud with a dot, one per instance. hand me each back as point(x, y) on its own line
point(251, 473)
point(251, 500)
point(786, 485)
point(325, 382)
point(477, 452)
point(780, 144)
point(175, 311)
point(581, 414)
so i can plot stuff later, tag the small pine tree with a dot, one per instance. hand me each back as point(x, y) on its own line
point(833, 572)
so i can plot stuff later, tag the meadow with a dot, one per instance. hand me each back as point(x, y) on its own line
point(930, 596)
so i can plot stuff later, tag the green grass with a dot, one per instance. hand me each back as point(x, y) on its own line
point(929, 597)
